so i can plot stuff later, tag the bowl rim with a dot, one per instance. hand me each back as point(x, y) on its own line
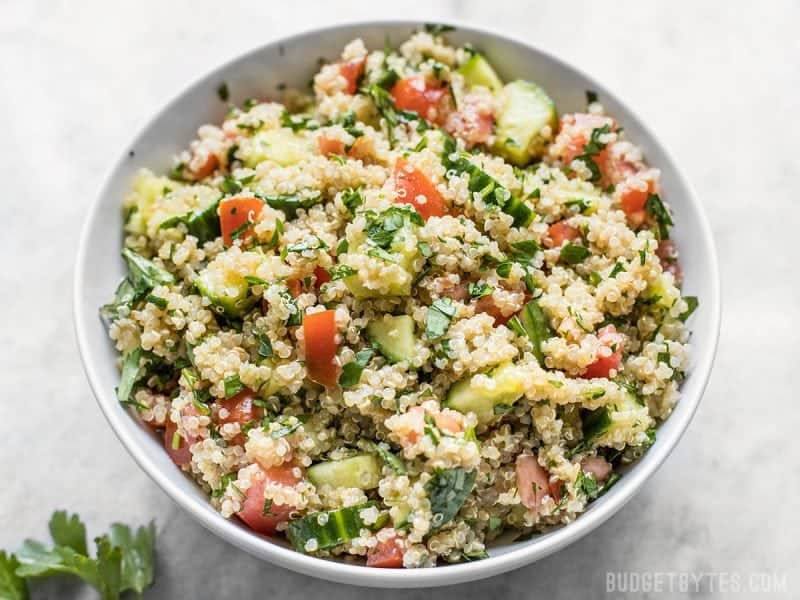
point(340, 572)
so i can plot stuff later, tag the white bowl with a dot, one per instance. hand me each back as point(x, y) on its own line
point(293, 61)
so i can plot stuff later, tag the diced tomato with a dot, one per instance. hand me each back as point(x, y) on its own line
point(488, 306)
point(448, 423)
point(473, 121)
point(252, 512)
point(321, 276)
point(295, 287)
point(235, 214)
point(319, 332)
point(238, 409)
point(632, 194)
point(609, 356)
point(203, 164)
point(328, 146)
point(668, 256)
point(556, 487)
point(419, 95)
point(597, 466)
point(386, 555)
point(559, 233)
point(533, 481)
point(575, 132)
point(181, 455)
point(414, 188)
point(352, 70)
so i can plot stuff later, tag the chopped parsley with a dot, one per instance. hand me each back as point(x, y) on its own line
point(656, 209)
point(573, 253)
point(438, 28)
point(351, 372)
point(447, 490)
point(232, 386)
point(340, 272)
point(479, 290)
point(439, 316)
point(692, 303)
point(591, 149)
point(352, 199)
point(618, 268)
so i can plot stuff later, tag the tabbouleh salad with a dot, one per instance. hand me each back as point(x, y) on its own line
point(404, 314)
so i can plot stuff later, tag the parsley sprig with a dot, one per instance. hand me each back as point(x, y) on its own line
point(123, 559)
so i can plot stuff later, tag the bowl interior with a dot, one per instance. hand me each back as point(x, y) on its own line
point(293, 62)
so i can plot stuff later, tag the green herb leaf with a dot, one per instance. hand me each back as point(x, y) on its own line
point(340, 272)
point(447, 490)
point(479, 290)
point(618, 268)
point(291, 203)
point(287, 428)
point(298, 122)
point(144, 274)
point(591, 149)
point(425, 249)
point(439, 316)
point(438, 28)
point(394, 462)
point(351, 372)
point(264, 345)
point(656, 209)
point(232, 386)
point(573, 254)
point(137, 567)
point(591, 97)
point(692, 302)
point(352, 199)
point(68, 530)
point(586, 485)
point(308, 244)
point(132, 371)
point(12, 586)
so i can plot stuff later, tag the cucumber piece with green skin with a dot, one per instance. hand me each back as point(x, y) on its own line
point(536, 325)
point(478, 71)
point(474, 394)
point(328, 528)
point(280, 145)
point(525, 109)
point(362, 471)
point(394, 337)
point(229, 293)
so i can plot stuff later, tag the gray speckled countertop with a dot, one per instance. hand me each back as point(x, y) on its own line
point(718, 82)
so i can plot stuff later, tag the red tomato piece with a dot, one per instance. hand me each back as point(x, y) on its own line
point(632, 195)
point(609, 356)
point(352, 70)
point(668, 256)
point(559, 233)
point(238, 409)
point(252, 512)
point(181, 455)
point(533, 481)
point(386, 555)
point(234, 214)
point(597, 466)
point(203, 164)
point(488, 306)
point(320, 334)
point(473, 122)
point(321, 276)
point(328, 146)
point(413, 187)
point(420, 96)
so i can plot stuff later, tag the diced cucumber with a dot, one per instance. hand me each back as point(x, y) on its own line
point(362, 471)
point(401, 518)
point(525, 109)
point(146, 190)
point(475, 394)
point(227, 291)
point(394, 336)
point(329, 528)
point(603, 422)
point(281, 145)
point(478, 71)
point(595, 423)
point(536, 325)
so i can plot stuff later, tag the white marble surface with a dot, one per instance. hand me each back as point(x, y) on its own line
point(718, 81)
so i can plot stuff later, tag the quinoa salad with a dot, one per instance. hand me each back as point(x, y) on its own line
point(403, 313)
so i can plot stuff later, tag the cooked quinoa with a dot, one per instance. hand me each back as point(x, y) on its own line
point(404, 315)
